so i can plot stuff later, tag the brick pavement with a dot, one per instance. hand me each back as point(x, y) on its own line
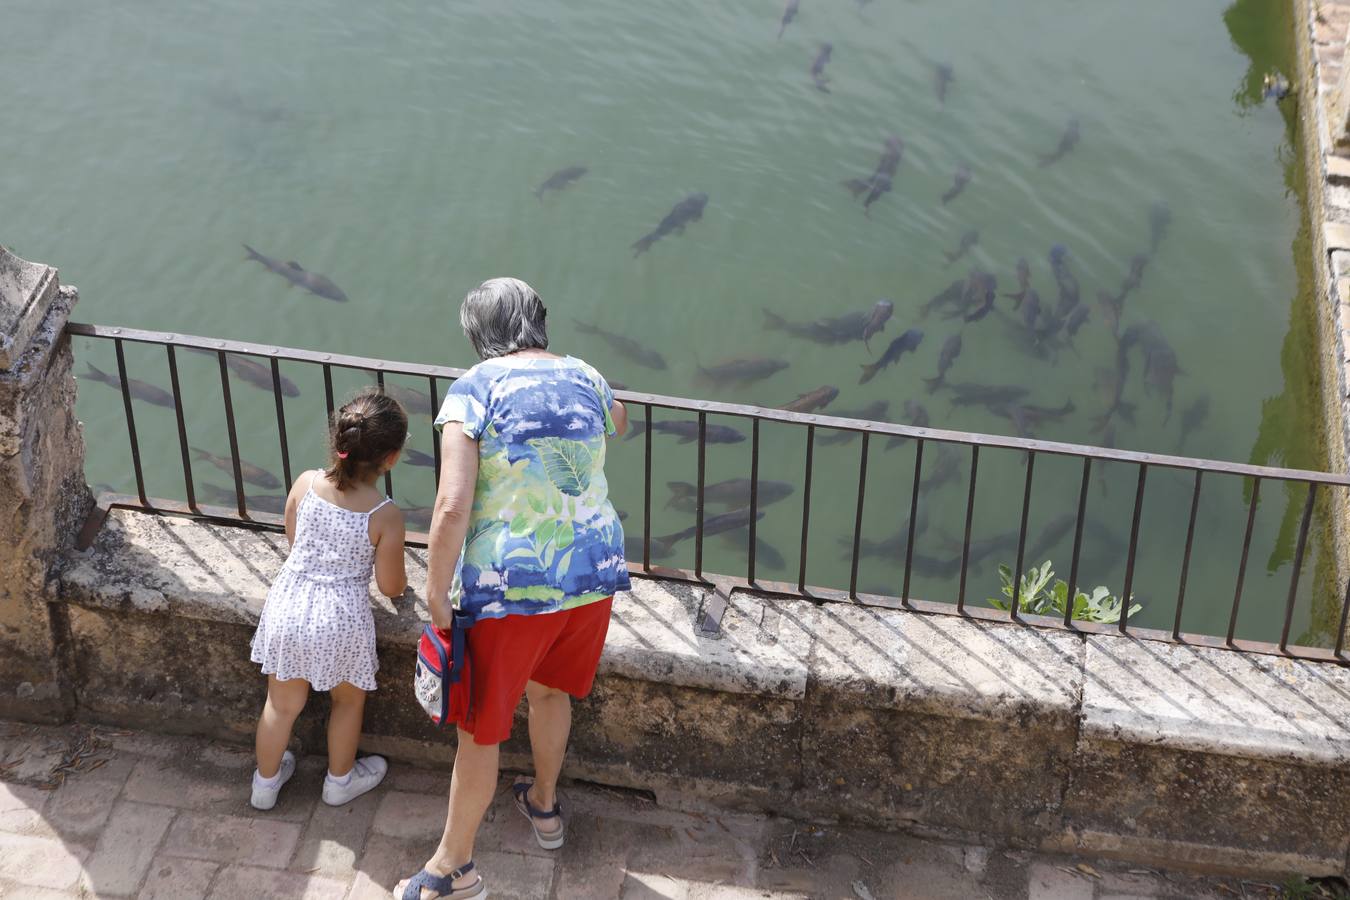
point(148, 816)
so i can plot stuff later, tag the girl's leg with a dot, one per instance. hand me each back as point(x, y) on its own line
point(550, 725)
point(344, 727)
point(285, 700)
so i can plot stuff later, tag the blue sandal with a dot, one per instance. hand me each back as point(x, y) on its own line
point(443, 886)
point(552, 840)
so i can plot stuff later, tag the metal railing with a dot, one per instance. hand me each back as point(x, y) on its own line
point(226, 352)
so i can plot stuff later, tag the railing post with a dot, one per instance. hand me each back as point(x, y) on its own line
point(42, 485)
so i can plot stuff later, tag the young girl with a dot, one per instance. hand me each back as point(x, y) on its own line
point(316, 629)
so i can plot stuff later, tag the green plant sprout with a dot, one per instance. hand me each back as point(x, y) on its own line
point(1038, 597)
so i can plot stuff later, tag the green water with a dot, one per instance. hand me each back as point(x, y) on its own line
point(394, 147)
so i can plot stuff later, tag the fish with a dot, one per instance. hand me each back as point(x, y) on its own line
point(968, 240)
point(789, 13)
point(1067, 142)
point(255, 475)
point(820, 398)
point(1031, 310)
point(1109, 306)
point(835, 330)
point(981, 291)
point(690, 209)
point(1135, 276)
point(873, 412)
point(943, 76)
point(959, 182)
point(948, 464)
point(893, 547)
point(915, 414)
point(560, 179)
point(268, 503)
point(818, 67)
point(741, 371)
point(255, 373)
point(970, 394)
point(766, 554)
point(416, 402)
point(1160, 369)
point(316, 284)
point(625, 346)
point(732, 492)
point(951, 349)
point(1068, 283)
point(879, 182)
point(1076, 319)
point(727, 521)
point(418, 458)
point(905, 343)
point(419, 516)
point(1053, 532)
point(950, 296)
point(141, 390)
point(1192, 418)
point(1111, 383)
point(1023, 282)
point(1159, 220)
point(687, 432)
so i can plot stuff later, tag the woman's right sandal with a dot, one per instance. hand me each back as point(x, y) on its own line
point(443, 885)
point(550, 840)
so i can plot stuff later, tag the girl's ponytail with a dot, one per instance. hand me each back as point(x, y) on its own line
point(363, 433)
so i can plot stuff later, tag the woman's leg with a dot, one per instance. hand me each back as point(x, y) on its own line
point(550, 725)
point(285, 700)
point(344, 727)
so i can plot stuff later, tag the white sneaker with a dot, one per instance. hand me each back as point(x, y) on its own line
point(365, 776)
point(265, 797)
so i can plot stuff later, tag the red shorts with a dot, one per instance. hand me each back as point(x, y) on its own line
point(559, 650)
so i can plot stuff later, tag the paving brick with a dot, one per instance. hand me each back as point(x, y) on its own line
point(235, 882)
point(732, 892)
point(21, 809)
point(165, 783)
point(516, 876)
point(334, 838)
point(227, 839)
point(41, 862)
point(386, 861)
point(176, 879)
point(12, 891)
point(1048, 882)
point(81, 805)
point(592, 862)
point(126, 847)
point(650, 886)
point(403, 814)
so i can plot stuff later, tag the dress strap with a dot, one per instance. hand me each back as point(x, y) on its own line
point(383, 503)
point(312, 475)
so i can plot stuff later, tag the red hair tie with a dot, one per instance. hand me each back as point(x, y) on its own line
point(342, 454)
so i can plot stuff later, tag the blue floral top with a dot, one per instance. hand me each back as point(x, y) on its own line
point(543, 535)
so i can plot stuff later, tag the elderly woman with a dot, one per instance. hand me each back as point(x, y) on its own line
point(523, 537)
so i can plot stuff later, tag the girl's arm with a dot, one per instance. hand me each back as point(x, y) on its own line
point(293, 499)
point(390, 575)
point(450, 518)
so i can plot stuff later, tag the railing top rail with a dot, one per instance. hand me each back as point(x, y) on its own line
point(1058, 448)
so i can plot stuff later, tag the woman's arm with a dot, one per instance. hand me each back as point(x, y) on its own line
point(450, 518)
point(619, 414)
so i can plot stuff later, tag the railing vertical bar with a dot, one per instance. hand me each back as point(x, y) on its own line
point(328, 389)
point(970, 518)
point(389, 474)
point(182, 429)
point(1345, 613)
point(1022, 538)
point(647, 491)
point(1186, 555)
point(236, 464)
point(913, 518)
point(698, 497)
point(131, 423)
point(1299, 548)
point(1134, 547)
point(1242, 562)
point(1077, 542)
point(754, 499)
point(858, 519)
point(281, 422)
point(806, 506)
point(435, 438)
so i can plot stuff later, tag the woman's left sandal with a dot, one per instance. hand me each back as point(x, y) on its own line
point(443, 885)
point(549, 840)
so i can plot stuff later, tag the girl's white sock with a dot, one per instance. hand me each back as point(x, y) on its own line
point(262, 782)
point(336, 780)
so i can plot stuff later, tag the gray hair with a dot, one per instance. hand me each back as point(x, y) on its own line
point(503, 315)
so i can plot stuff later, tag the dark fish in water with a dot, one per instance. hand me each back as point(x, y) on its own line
point(916, 415)
point(1075, 320)
point(1111, 383)
point(728, 521)
point(892, 547)
point(968, 394)
point(269, 503)
point(766, 554)
point(416, 402)
point(1023, 282)
point(879, 182)
point(838, 329)
point(1160, 369)
point(820, 398)
point(905, 343)
point(418, 458)
point(943, 76)
point(419, 517)
point(741, 371)
point(1067, 142)
point(951, 349)
point(687, 432)
point(247, 470)
point(948, 464)
point(560, 179)
point(1110, 307)
point(983, 548)
point(139, 389)
point(316, 284)
point(789, 13)
point(1050, 535)
point(1031, 310)
point(951, 296)
point(1136, 275)
point(256, 373)
point(818, 67)
point(981, 291)
point(959, 183)
point(873, 412)
point(1068, 283)
point(690, 209)
point(732, 492)
point(1194, 416)
point(1159, 220)
point(968, 240)
point(625, 346)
